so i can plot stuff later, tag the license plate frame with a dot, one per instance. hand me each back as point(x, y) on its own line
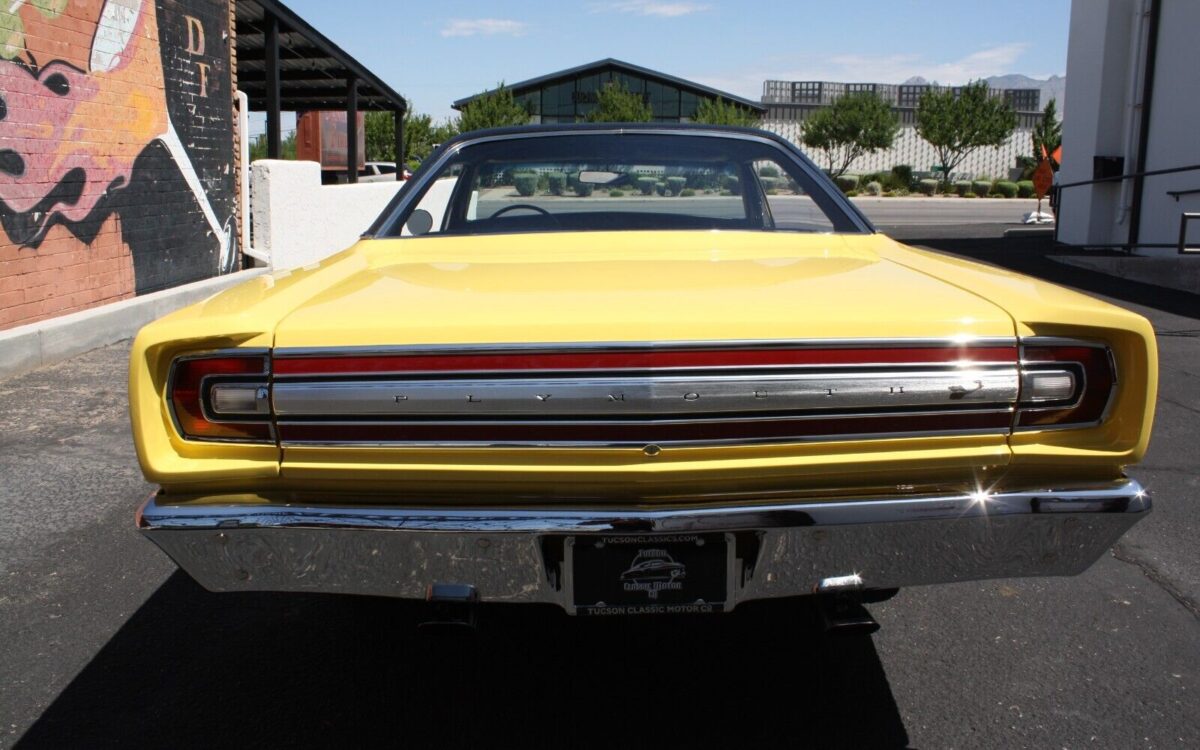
point(648, 574)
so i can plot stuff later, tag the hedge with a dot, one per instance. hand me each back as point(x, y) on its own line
point(676, 184)
point(646, 185)
point(556, 182)
point(962, 187)
point(582, 189)
point(731, 183)
point(928, 187)
point(903, 174)
point(768, 172)
point(981, 188)
point(1025, 189)
point(1006, 188)
point(846, 182)
point(526, 183)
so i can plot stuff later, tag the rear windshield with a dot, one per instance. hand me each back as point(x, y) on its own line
point(608, 181)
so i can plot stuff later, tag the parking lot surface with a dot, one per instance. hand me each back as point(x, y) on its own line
point(104, 643)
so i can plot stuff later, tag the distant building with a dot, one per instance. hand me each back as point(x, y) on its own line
point(1135, 102)
point(789, 103)
point(570, 95)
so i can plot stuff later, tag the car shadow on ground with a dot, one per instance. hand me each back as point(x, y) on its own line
point(1035, 256)
point(192, 668)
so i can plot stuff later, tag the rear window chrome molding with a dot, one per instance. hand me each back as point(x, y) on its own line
point(387, 225)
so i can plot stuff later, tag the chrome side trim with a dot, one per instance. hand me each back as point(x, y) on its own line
point(394, 550)
point(651, 395)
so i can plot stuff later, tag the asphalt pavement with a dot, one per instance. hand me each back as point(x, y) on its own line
point(103, 643)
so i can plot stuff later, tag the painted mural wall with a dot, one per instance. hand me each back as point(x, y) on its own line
point(117, 151)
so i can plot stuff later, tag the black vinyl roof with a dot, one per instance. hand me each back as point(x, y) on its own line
point(610, 63)
point(314, 72)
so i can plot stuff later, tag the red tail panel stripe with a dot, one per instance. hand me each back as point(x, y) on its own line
point(634, 360)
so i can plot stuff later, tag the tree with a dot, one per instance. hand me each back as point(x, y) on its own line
point(287, 147)
point(720, 111)
point(420, 136)
point(1047, 136)
point(492, 109)
point(616, 103)
point(958, 125)
point(854, 125)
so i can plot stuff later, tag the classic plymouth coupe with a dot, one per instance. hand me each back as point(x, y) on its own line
point(637, 369)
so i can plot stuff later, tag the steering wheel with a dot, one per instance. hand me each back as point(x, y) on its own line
point(515, 206)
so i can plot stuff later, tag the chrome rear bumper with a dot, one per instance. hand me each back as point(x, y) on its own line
point(510, 555)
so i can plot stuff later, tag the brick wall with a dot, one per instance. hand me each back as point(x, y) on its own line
point(117, 158)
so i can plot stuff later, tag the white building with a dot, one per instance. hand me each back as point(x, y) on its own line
point(1134, 99)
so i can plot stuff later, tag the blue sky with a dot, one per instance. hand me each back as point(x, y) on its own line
point(434, 53)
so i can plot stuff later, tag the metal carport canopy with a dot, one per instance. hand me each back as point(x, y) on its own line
point(284, 64)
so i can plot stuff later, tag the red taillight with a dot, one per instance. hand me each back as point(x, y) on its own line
point(1093, 377)
point(222, 397)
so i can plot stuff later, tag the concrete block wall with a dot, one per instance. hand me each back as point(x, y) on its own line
point(116, 152)
point(296, 220)
point(909, 148)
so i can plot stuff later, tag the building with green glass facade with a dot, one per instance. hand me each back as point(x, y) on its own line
point(569, 95)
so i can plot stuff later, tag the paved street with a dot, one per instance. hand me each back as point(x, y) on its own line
point(103, 643)
point(945, 211)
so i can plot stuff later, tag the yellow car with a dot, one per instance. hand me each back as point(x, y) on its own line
point(562, 350)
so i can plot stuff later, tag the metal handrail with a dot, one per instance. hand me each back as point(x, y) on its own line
point(1130, 176)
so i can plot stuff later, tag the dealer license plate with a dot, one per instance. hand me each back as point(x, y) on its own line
point(649, 574)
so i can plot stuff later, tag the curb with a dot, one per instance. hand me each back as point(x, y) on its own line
point(35, 345)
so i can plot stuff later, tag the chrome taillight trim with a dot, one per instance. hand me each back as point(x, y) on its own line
point(554, 347)
point(1026, 366)
point(262, 352)
point(654, 395)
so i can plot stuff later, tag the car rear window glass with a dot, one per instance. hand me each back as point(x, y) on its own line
point(603, 181)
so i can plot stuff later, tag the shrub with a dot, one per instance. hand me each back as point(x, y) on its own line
point(846, 182)
point(676, 184)
point(903, 174)
point(962, 187)
point(770, 184)
point(556, 183)
point(616, 193)
point(768, 171)
point(927, 187)
point(1006, 188)
point(873, 188)
point(1025, 189)
point(526, 183)
point(981, 188)
point(543, 182)
point(851, 193)
point(660, 187)
point(686, 193)
point(970, 195)
point(646, 185)
point(732, 184)
point(582, 189)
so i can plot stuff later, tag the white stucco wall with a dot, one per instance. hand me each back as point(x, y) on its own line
point(1105, 59)
point(296, 220)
